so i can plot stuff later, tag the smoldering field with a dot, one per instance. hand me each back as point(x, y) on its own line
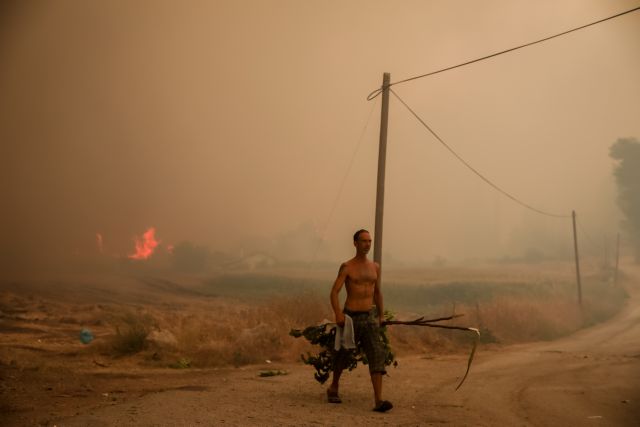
point(242, 318)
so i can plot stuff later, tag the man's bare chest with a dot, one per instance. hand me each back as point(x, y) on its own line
point(362, 275)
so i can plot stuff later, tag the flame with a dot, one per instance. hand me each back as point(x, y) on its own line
point(99, 241)
point(145, 245)
point(170, 249)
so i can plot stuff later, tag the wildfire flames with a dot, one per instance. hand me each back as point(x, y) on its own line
point(145, 245)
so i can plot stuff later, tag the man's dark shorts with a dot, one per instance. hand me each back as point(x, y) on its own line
point(368, 340)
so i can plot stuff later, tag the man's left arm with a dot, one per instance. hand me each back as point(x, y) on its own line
point(377, 295)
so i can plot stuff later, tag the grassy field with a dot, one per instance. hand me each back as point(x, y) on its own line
point(509, 305)
point(242, 318)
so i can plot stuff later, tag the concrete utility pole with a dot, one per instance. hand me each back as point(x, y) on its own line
point(575, 247)
point(382, 158)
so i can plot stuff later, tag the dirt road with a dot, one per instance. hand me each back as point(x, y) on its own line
point(591, 378)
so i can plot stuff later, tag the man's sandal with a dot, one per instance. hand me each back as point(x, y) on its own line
point(333, 397)
point(383, 406)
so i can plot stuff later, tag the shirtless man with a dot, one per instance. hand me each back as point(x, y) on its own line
point(361, 279)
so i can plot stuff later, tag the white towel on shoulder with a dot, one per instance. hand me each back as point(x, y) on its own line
point(345, 337)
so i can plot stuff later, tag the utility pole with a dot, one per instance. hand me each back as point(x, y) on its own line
point(575, 247)
point(382, 158)
point(615, 274)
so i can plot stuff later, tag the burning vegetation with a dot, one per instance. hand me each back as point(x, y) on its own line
point(145, 245)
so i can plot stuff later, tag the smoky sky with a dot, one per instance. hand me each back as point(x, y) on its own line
point(233, 124)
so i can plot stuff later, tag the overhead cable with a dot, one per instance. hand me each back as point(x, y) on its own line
point(471, 168)
point(378, 91)
point(342, 183)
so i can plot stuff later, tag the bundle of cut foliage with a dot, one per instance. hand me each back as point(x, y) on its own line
point(324, 335)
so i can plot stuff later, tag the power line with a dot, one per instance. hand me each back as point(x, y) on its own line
point(378, 91)
point(344, 180)
point(471, 168)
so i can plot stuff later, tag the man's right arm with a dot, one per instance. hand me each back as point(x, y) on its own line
point(335, 291)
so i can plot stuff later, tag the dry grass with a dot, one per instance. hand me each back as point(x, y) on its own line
point(189, 329)
point(131, 331)
point(237, 334)
point(516, 318)
point(227, 331)
point(246, 334)
point(520, 319)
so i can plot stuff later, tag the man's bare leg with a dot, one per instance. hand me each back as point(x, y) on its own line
point(380, 405)
point(332, 391)
point(376, 380)
point(335, 383)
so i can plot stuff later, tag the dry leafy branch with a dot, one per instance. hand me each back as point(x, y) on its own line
point(421, 321)
point(324, 336)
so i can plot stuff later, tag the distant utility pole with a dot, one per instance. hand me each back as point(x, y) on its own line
point(575, 247)
point(382, 158)
point(615, 274)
